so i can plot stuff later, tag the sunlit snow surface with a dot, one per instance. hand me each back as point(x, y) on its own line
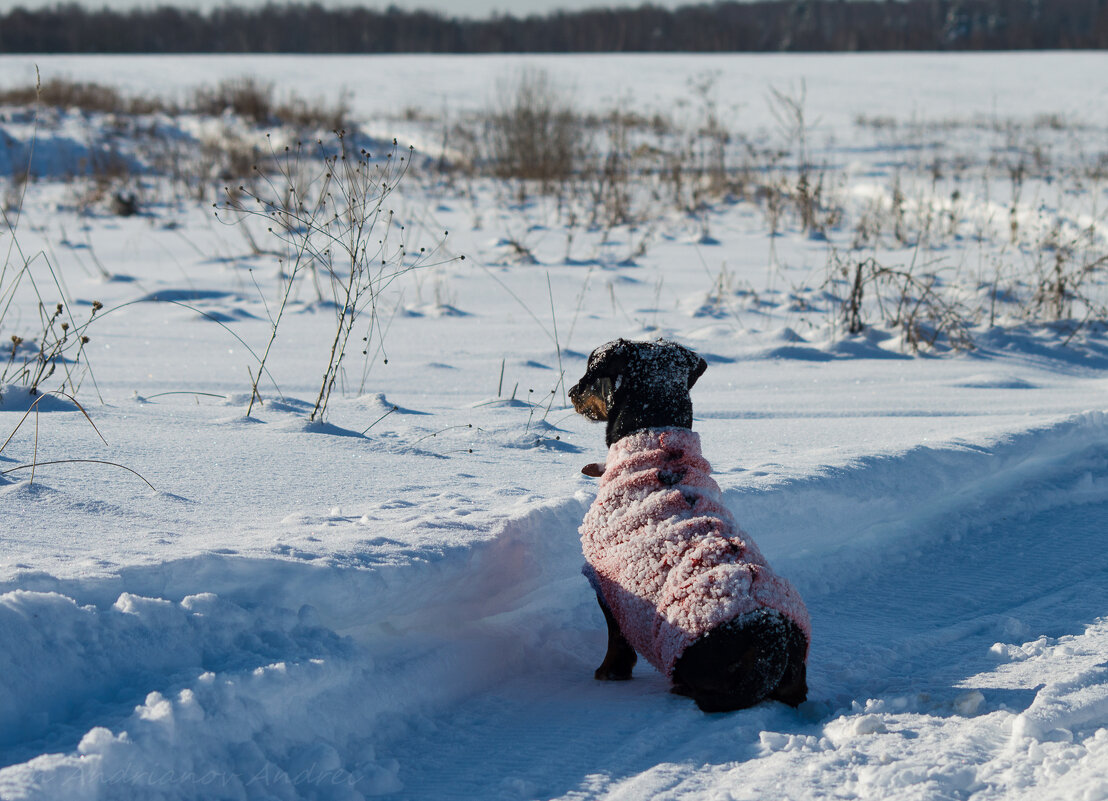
point(306, 611)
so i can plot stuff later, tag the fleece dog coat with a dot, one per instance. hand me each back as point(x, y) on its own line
point(665, 553)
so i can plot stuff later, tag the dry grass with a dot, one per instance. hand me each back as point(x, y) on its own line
point(257, 101)
point(247, 97)
point(534, 134)
point(84, 95)
point(892, 253)
point(251, 98)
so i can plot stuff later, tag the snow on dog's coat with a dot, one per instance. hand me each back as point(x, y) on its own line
point(665, 553)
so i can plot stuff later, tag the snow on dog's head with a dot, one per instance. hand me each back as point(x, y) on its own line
point(637, 385)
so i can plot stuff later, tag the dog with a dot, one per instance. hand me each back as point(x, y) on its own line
point(677, 581)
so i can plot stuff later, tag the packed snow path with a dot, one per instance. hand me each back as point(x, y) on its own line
point(957, 594)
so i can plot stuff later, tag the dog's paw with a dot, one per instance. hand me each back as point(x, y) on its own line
point(605, 673)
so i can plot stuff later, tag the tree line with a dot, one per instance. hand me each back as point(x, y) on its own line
point(763, 26)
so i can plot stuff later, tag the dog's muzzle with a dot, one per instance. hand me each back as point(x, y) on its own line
point(592, 399)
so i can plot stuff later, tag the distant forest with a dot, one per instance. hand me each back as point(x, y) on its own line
point(768, 26)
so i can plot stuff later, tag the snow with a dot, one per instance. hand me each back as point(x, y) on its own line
point(300, 610)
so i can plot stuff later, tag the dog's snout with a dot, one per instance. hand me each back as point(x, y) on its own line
point(590, 398)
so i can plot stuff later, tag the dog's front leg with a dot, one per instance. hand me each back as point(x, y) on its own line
point(621, 657)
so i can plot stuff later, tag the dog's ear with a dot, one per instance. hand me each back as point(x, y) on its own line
point(697, 370)
point(608, 361)
point(690, 360)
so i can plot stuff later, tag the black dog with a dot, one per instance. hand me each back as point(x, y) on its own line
point(644, 386)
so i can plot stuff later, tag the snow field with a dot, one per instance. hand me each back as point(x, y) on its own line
point(389, 604)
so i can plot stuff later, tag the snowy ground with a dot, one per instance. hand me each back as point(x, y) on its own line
point(389, 603)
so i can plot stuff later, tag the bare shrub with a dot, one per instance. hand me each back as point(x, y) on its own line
point(712, 137)
point(533, 133)
point(610, 184)
point(32, 356)
point(60, 343)
point(325, 204)
point(907, 299)
point(808, 190)
point(108, 185)
point(245, 96)
point(257, 101)
point(1067, 274)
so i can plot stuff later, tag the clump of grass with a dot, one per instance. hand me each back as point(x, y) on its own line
point(34, 357)
point(534, 134)
point(249, 97)
point(257, 101)
point(85, 95)
point(246, 96)
point(60, 343)
point(911, 299)
point(319, 114)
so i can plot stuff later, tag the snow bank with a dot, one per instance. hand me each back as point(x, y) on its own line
point(243, 696)
point(884, 506)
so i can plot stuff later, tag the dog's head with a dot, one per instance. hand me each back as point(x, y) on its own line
point(636, 385)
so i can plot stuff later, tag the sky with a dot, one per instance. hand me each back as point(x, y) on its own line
point(460, 8)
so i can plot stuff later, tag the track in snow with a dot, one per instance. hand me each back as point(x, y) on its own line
point(1024, 559)
point(469, 677)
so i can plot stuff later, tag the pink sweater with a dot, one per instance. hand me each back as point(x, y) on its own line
point(670, 562)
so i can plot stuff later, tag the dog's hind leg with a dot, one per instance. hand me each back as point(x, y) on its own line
point(793, 689)
point(739, 664)
point(621, 657)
